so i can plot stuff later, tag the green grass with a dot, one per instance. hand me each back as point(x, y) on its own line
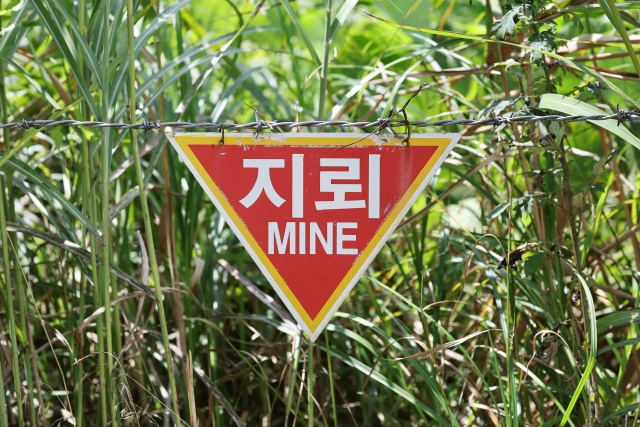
point(126, 300)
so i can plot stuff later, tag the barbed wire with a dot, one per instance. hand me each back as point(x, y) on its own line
point(495, 121)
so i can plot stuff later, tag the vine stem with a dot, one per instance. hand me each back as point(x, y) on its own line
point(146, 217)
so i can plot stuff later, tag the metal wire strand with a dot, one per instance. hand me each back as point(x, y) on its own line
point(620, 116)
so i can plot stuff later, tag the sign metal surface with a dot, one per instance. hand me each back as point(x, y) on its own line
point(312, 209)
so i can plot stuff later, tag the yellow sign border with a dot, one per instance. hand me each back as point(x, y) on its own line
point(313, 327)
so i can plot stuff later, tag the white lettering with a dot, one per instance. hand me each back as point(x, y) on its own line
point(263, 181)
point(374, 185)
point(289, 237)
point(302, 232)
point(341, 238)
point(286, 243)
point(297, 186)
point(340, 190)
point(315, 233)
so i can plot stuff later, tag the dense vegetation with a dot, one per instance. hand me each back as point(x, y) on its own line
point(508, 296)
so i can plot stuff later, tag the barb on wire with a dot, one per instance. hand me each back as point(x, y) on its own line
point(384, 123)
point(620, 116)
point(623, 115)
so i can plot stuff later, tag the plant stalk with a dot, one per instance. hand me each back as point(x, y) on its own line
point(146, 217)
point(4, 420)
point(106, 223)
point(10, 309)
point(20, 285)
point(294, 373)
point(325, 61)
point(310, 401)
point(7, 264)
point(86, 182)
point(331, 385)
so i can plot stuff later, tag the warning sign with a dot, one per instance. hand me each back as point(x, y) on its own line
point(313, 210)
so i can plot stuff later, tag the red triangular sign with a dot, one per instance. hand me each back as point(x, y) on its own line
point(313, 210)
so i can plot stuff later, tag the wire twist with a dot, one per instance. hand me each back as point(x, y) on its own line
point(621, 116)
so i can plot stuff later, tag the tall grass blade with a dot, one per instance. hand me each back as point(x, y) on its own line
point(56, 31)
point(576, 107)
point(593, 347)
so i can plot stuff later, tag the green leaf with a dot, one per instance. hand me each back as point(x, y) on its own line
point(561, 58)
point(382, 380)
point(619, 413)
point(499, 105)
point(538, 381)
point(81, 254)
point(341, 16)
point(507, 24)
point(13, 32)
point(610, 9)
point(305, 38)
point(632, 341)
point(54, 28)
point(31, 133)
point(617, 319)
point(573, 106)
point(36, 178)
point(596, 222)
point(593, 346)
point(544, 41)
point(149, 30)
point(623, 5)
point(498, 210)
point(90, 58)
point(35, 84)
point(533, 263)
point(122, 40)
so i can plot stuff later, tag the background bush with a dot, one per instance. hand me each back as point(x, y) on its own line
point(509, 295)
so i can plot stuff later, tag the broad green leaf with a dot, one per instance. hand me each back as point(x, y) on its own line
point(498, 210)
point(341, 16)
point(533, 263)
point(632, 341)
point(617, 319)
point(623, 5)
point(623, 411)
point(576, 107)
